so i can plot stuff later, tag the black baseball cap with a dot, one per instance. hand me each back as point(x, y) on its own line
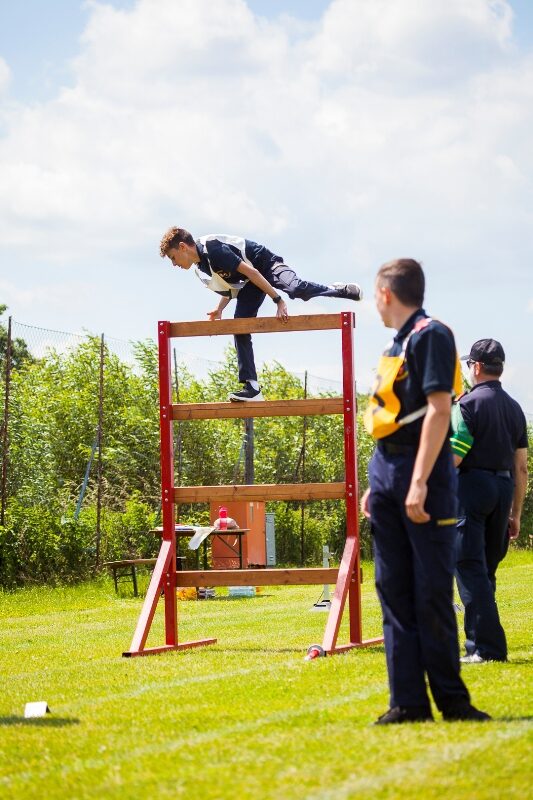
point(486, 351)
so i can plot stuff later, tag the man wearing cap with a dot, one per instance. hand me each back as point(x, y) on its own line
point(489, 443)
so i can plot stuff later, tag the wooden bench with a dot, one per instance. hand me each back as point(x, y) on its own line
point(127, 569)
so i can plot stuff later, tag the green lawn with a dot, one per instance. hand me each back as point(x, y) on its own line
point(246, 718)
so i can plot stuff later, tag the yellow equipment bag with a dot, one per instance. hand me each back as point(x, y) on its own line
point(381, 416)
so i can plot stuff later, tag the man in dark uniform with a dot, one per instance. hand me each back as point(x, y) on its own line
point(235, 267)
point(411, 502)
point(489, 443)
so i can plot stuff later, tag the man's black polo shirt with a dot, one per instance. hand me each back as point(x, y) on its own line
point(429, 367)
point(497, 427)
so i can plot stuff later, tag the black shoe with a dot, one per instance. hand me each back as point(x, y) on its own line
point(400, 714)
point(466, 712)
point(248, 393)
point(352, 291)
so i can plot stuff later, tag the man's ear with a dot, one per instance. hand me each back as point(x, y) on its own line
point(386, 294)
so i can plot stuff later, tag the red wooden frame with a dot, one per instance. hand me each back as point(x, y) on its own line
point(348, 583)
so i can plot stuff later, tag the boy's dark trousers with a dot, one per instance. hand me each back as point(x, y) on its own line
point(250, 298)
point(482, 540)
point(414, 579)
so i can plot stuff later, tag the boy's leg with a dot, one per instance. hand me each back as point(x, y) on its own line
point(249, 301)
point(283, 277)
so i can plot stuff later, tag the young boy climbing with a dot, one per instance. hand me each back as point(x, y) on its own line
point(235, 267)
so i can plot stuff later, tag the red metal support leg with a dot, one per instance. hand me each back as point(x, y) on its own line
point(349, 579)
point(162, 567)
point(167, 478)
point(164, 574)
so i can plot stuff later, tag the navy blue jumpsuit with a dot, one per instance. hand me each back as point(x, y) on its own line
point(495, 428)
point(415, 562)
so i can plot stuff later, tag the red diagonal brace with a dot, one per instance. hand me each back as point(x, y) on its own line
point(162, 567)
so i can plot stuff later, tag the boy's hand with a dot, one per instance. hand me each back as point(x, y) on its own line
point(281, 311)
point(216, 314)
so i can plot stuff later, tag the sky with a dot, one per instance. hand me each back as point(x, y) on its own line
point(339, 134)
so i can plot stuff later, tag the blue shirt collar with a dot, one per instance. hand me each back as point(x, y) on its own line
point(407, 326)
point(494, 384)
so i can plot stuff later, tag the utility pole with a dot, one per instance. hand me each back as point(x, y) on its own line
point(249, 451)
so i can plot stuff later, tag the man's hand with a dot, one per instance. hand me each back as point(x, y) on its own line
point(434, 431)
point(364, 504)
point(414, 502)
point(216, 314)
point(281, 311)
point(514, 528)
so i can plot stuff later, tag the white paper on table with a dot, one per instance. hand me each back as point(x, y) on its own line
point(199, 536)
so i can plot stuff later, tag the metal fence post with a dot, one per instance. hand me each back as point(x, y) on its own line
point(302, 508)
point(100, 443)
point(5, 436)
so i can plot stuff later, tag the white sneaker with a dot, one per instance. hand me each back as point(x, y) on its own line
point(475, 658)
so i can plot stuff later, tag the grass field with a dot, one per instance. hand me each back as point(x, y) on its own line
point(246, 718)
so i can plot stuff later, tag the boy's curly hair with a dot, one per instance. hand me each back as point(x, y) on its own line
point(172, 238)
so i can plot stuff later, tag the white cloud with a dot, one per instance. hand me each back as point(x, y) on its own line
point(395, 127)
point(55, 296)
point(5, 76)
point(392, 42)
point(204, 111)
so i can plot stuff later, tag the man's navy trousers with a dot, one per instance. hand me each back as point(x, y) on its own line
point(485, 498)
point(250, 298)
point(414, 579)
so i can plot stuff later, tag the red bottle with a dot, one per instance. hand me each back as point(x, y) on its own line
point(222, 518)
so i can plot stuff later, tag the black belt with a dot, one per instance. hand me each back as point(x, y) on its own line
point(500, 473)
point(396, 449)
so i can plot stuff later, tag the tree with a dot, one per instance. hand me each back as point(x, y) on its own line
point(19, 348)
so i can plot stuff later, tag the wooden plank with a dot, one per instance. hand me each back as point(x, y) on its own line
point(301, 322)
point(256, 577)
point(267, 408)
point(131, 562)
point(260, 491)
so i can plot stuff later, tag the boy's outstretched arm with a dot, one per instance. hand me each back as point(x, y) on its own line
point(261, 282)
point(217, 313)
